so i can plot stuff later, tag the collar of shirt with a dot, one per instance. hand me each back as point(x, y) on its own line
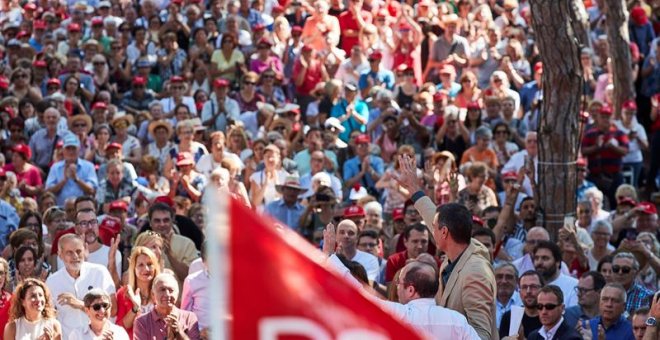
point(422, 301)
point(446, 273)
point(551, 332)
point(83, 272)
point(157, 316)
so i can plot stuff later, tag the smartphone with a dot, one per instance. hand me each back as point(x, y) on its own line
point(569, 222)
point(631, 234)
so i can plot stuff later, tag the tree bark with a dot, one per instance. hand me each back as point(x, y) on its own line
point(559, 45)
point(618, 39)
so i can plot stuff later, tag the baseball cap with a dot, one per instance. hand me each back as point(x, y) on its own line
point(70, 139)
point(363, 138)
point(354, 211)
point(647, 208)
point(397, 214)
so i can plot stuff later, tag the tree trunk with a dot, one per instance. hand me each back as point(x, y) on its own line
point(559, 46)
point(616, 22)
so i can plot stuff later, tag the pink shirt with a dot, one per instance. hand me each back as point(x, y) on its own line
point(152, 326)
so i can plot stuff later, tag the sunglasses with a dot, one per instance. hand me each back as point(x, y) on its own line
point(548, 306)
point(79, 125)
point(249, 83)
point(504, 132)
point(623, 269)
point(97, 306)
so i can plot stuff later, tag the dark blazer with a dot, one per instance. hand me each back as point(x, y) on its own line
point(564, 332)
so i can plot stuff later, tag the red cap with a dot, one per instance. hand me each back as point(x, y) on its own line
point(397, 214)
point(176, 79)
point(23, 149)
point(376, 55)
point(606, 111)
point(627, 201)
point(177, 2)
point(647, 208)
point(354, 211)
point(538, 67)
point(264, 41)
point(114, 145)
point(277, 9)
point(629, 105)
point(109, 229)
point(509, 175)
point(4, 83)
point(3, 173)
point(9, 110)
point(39, 25)
point(638, 15)
point(30, 7)
point(439, 97)
point(362, 139)
point(73, 27)
point(307, 48)
point(382, 13)
point(54, 81)
point(477, 220)
point(404, 26)
point(119, 204)
point(220, 82)
point(39, 63)
point(165, 199)
point(296, 29)
point(22, 34)
point(99, 105)
point(139, 81)
point(97, 21)
point(184, 158)
point(581, 162)
point(258, 27)
point(446, 68)
point(473, 106)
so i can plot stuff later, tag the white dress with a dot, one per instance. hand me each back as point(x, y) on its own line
point(27, 330)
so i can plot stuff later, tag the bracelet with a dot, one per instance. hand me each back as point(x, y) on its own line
point(135, 310)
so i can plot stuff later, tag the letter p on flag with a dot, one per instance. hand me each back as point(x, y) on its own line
point(268, 283)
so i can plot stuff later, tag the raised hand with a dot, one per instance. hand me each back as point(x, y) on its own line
point(407, 175)
point(135, 297)
point(329, 239)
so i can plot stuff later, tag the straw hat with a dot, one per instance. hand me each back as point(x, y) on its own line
point(84, 117)
point(121, 116)
point(161, 123)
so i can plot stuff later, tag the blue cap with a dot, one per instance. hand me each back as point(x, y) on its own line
point(143, 63)
point(70, 139)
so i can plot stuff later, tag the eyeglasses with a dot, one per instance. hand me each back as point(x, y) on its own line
point(99, 63)
point(21, 76)
point(177, 87)
point(267, 77)
point(88, 224)
point(98, 306)
point(548, 306)
point(501, 132)
point(581, 290)
point(623, 269)
point(525, 288)
point(32, 225)
point(249, 83)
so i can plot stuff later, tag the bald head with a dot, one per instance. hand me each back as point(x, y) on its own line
point(534, 236)
point(423, 277)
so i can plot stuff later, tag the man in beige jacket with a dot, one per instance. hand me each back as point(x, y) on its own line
point(467, 281)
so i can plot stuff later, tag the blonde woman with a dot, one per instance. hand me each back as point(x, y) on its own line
point(32, 313)
point(5, 295)
point(133, 299)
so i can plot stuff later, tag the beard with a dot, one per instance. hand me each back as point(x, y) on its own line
point(548, 273)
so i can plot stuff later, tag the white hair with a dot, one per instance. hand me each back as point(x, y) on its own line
point(374, 206)
point(602, 224)
point(597, 194)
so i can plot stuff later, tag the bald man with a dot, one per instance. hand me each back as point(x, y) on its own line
point(534, 236)
point(347, 238)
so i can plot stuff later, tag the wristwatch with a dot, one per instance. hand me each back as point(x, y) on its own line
point(135, 309)
point(651, 322)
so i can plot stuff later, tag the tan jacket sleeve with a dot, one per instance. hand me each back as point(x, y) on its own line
point(426, 208)
point(478, 300)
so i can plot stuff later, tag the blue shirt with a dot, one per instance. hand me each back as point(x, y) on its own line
point(303, 158)
point(382, 76)
point(284, 213)
point(86, 173)
point(42, 147)
point(453, 90)
point(621, 330)
point(351, 124)
point(353, 166)
point(527, 94)
point(8, 222)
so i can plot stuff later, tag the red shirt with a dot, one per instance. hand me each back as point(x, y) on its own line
point(124, 306)
point(604, 160)
point(31, 176)
point(313, 76)
point(5, 306)
point(347, 21)
point(397, 261)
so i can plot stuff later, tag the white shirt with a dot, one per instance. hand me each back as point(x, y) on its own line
point(567, 285)
point(100, 256)
point(118, 333)
point(547, 335)
point(195, 297)
point(232, 111)
point(169, 104)
point(634, 154)
point(206, 164)
point(525, 263)
point(515, 300)
point(516, 162)
point(435, 321)
point(91, 276)
point(369, 262)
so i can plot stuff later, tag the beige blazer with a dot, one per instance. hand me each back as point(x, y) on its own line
point(471, 288)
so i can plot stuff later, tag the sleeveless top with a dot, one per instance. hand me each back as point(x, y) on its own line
point(26, 330)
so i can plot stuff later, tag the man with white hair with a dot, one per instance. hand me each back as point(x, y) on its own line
point(320, 176)
point(166, 320)
point(596, 197)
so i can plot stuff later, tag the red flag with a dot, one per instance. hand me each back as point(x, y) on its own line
point(279, 289)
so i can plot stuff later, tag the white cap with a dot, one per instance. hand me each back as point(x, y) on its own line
point(334, 122)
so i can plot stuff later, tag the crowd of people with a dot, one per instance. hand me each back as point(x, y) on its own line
point(407, 129)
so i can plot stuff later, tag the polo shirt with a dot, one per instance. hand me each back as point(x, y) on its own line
point(605, 160)
point(118, 333)
point(621, 330)
point(385, 77)
point(351, 124)
point(42, 147)
point(353, 165)
point(91, 276)
point(152, 326)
